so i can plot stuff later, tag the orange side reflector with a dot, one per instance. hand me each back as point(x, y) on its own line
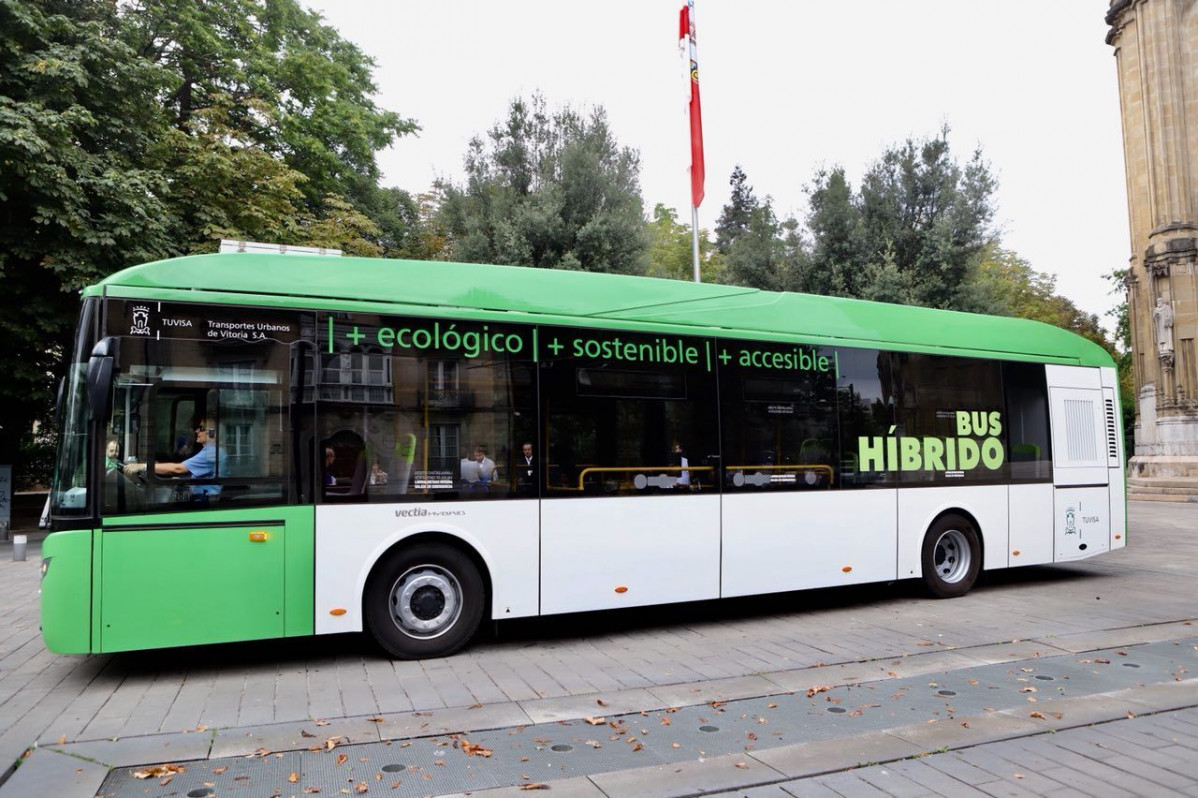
point(621, 589)
point(259, 536)
point(847, 568)
point(1015, 553)
point(1118, 537)
point(337, 611)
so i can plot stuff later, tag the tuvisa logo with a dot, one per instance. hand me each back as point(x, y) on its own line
point(141, 321)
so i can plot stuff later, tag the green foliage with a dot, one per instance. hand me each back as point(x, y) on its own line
point(756, 254)
point(1123, 354)
point(736, 217)
point(912, 234)
point(550, 190)
point(671, 253)
point(135, 131)
point(930, 217)
point(76, 200)
point(837, 257)
point(292, 85)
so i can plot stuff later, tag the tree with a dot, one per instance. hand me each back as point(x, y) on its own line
point(931, 216)
point(132, 132)
point(549, 190)
point(671, 253)
point(1117, 279)
point(272, 55)
point(913, 232)
point(76, 200)
point(756, 255)
point(837, 263)
point(736, 216)
point(1022, 291)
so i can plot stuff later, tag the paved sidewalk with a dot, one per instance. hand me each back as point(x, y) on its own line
point(193, 704)
point(1024, 726)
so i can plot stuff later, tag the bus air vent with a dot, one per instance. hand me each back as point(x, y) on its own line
point(1081, 437)
point(1112, 437)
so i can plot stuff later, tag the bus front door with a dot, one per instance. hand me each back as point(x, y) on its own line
point(204, 578)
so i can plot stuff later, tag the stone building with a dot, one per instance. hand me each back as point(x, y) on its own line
point(1156, 49)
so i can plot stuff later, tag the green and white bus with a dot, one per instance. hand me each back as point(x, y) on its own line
point(259, 446)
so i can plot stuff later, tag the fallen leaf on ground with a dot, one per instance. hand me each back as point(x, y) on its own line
point(595, 721)
point(537, 786)
point(220, 770)
point(473, 749)
point(342, 759)
point(600, 702)
point(322, 722)
point(377, 719)
point(158, 771)
point(293, 778)
point(742, 766)
point(819, 688)
point(1038, 716)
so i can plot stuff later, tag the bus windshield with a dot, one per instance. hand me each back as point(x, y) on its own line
point(69, 496)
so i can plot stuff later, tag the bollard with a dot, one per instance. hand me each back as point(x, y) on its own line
point(18, 548)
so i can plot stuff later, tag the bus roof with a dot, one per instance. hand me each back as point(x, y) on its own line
point(397, 286)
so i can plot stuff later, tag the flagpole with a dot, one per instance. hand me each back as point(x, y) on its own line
point(687, 30)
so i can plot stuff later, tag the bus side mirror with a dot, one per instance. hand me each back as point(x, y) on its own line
point(99, 377)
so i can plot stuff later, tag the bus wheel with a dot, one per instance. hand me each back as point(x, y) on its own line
point(952, 556)
point(425, 601)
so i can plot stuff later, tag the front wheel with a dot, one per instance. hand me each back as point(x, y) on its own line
point(424, 601)
point(952, 556)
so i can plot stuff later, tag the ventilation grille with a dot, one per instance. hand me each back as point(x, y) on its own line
point(1112, 436)
point(1081, 439)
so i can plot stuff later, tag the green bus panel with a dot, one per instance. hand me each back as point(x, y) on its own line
point(67, 591)
point(197, 578)
point(599, 301)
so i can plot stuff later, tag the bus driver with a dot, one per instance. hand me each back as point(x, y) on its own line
point(201, 465)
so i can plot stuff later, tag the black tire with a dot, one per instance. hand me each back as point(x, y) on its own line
point(952, 556)
point(424, 601)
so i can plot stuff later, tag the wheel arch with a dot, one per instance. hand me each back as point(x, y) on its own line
point(432, 537)
point(968, 516)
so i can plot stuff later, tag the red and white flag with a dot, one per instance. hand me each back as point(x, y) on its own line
point(686, 43)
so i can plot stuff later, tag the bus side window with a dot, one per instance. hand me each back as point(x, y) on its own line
point(400, 413)
point(627, 414)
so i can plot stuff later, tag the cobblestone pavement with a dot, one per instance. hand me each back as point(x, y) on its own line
point(546, 670)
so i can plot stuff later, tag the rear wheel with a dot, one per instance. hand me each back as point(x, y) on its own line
point(952, 556)
point(425, 601)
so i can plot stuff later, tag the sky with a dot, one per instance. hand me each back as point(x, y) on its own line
point(787, 88)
